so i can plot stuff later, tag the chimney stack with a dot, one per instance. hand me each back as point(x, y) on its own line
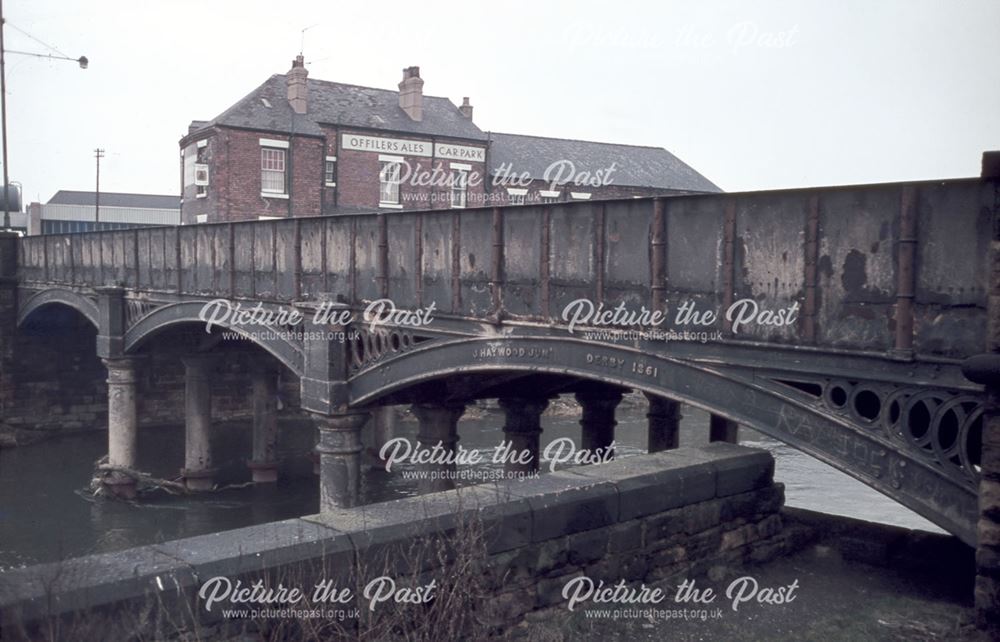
point(466, 108)
point(411, 93)
point(298, 90)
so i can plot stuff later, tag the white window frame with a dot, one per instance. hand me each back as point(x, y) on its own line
point(459, 186)
point(516, 195)
point(388, 191)
point(329, 183)
point(272, 142)
point(275, 151)
point(201, 173)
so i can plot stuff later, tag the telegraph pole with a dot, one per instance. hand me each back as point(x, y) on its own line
point(98, 154)
point(3, 119)
point(82, 61)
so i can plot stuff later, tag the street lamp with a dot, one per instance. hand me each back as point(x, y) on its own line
point(82, 61)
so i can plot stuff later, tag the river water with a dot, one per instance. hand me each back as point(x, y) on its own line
point(44, 516)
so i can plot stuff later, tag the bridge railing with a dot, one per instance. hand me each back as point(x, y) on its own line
point(880, 267)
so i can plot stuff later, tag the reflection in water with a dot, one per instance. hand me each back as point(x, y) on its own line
point(43, 518)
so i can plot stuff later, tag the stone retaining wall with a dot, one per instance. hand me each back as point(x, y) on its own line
point(56, 384)
point(652, 519)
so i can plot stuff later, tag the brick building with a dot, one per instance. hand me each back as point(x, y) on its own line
point(295, 146)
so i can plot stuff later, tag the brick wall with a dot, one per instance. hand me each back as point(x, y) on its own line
point(59, 383)
point(234, 193)
point(358, 177)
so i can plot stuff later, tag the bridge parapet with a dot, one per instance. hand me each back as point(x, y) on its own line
point(897, 268)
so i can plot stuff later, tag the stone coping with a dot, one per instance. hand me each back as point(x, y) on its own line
point(512, 513)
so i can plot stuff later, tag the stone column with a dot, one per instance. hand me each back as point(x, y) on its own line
point(198, 473)
point(122, 424)
point(598, 420)
point(664, 422)
point(264, 463)
point(438, 427)
point(384, 420)
point(722, 429)
point(339, 451)
point(522, 430)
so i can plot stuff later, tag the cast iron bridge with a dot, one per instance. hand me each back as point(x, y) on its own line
point(885, 287)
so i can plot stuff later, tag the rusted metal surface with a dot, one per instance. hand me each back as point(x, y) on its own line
point(906, 272)
point(418, 260)
point(524, 241)
point(496, 269)
point(311, 247)
point(543, 258)
point(953, 227)
point(382, 268)
point(475, 268)
point(625, 260)
point(658, 255)
point(876, 272)
point(857, 283)
point(856, 268)
point(437, 258)
point(456, 263)
point(403, 260)
point(729, 261)
point(598, 245)
point(571, 257)
point(812, 273)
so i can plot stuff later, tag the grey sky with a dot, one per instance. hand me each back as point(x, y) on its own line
point(754, 95)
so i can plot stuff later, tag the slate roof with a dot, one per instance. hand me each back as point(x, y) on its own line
point(266, 108)
point(635, 166)
point(116, 199)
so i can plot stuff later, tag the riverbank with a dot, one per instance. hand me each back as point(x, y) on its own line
point(835, 578)
point(855, 580)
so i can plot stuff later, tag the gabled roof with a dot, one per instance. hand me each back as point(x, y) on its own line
point(635, 166)
point(116, 199)
point(266, 108)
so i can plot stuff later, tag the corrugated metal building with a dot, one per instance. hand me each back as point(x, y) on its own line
point(71, 211)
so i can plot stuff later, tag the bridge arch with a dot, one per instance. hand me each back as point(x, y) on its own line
point(742, 395)
point(59, 296)
point(286, 351)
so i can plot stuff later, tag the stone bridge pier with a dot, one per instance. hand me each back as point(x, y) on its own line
point(199, 470)
point(124, 370)
point(264, 463)
point(123, 423)
point(522, 432)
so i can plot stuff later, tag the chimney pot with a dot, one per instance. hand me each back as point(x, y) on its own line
point(466, 108)
point(298, 87)
point(991, 164)
point(411, 93)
